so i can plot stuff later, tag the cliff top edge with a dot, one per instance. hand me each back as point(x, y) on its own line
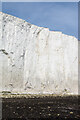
point(17, 20)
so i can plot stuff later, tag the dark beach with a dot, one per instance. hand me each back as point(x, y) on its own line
point(41, 108)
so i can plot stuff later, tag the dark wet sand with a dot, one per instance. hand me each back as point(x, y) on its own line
point(46, 108)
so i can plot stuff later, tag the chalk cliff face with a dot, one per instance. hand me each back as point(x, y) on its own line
point(36, 60)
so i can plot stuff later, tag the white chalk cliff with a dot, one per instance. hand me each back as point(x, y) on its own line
point(36, 60)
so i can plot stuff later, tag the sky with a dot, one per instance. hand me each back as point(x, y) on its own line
point(57, 16)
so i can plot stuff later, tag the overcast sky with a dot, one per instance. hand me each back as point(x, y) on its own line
point(57, 16)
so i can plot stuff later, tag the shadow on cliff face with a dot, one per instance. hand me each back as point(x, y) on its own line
point(46, 108)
